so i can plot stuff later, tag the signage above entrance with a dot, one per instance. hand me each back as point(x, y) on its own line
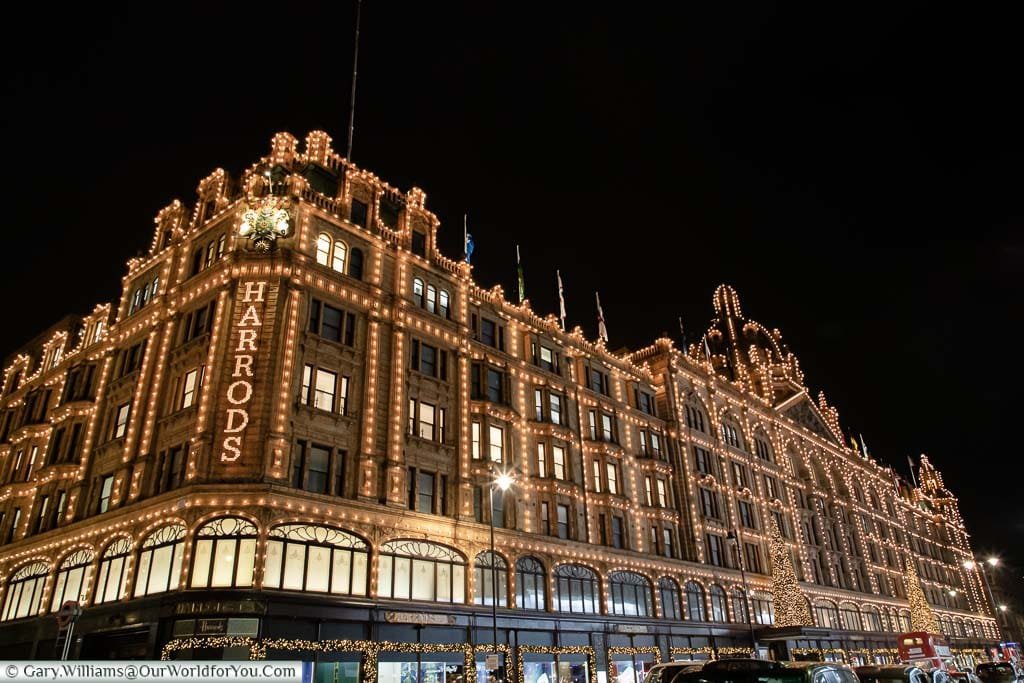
point(419, 618)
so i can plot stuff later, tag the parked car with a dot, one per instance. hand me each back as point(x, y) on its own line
point(997, 672)
point(892, 673)
point(964, 676)
point(666, 672)
point(762, 671)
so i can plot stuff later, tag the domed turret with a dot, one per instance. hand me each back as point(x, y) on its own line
point(746, 352)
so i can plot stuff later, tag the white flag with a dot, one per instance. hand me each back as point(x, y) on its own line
point(561, 299)
point(602, 330)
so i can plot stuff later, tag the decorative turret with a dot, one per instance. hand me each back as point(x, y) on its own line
point(932, 491)
point(746, 352)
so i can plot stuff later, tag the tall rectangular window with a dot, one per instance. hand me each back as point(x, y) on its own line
point(556, 408)
point(44, 502)
point(662, 493)
point(739, 475)
point(597, 476)
point(475, 440)
point(753, 558)
point(547, 359)
point(495, 386)
point(563, 521)
point(702, 459)
point(496, 443)
point(425, 492)
point(747, 514)
point(612, 472)
point(189, 386)
point(708, 503)
point(558, 461)
point(106, 489)
point(667, 542)
point(31, 462)
point(545, 520)
point(498, 508)
point(326, 383)
point(427, 426)
point(538, 404)
point(592, 424)
point(781, 522)
point(606, 427)
point(542, 461)
point(716, 556)
point(618, 534)
point(648, 490)
point(121, 420)
point(319, 467)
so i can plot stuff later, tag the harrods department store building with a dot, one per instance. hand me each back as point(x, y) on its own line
point(281, 442)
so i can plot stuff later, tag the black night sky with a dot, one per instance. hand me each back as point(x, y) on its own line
point(854, 173)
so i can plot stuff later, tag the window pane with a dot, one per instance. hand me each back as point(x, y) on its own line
point(224, 562)
point(318, 567)
point(402, 577)
point(341, 571)
point(495, 437)
point(272, 571)
point(325, 383)
point(246, 562)
point(201, 567)
point(423, 580)
point(384, 576)
point(426, 421)
point(458, 583)
point(159, 571)
point(294, 566)
point(359, 565)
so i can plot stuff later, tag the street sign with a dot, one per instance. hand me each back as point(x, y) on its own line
point(67, 615)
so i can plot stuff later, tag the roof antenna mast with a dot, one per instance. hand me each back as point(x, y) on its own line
point(355, 71)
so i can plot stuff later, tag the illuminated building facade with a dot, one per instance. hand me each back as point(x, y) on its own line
point(281, 442)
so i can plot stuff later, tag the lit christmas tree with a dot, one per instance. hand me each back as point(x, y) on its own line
point(791, 606)
point(922, 618)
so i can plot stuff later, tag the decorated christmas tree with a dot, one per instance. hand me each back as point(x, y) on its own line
point(922, 618)
point(791, 606)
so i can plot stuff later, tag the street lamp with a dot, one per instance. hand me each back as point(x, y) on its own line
point(734, 537)
point(502, 482)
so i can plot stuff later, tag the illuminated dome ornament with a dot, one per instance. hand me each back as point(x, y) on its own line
point(748, 353)
point(265, 221)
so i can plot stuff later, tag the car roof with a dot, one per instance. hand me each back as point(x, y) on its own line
point(879, 668)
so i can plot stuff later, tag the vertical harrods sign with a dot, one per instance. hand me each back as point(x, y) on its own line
point(245, 384)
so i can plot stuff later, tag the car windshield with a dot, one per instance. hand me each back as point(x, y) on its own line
point(880, 679)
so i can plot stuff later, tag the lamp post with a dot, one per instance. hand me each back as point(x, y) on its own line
point(735, 538)
point(980, 566)
point(503, 482)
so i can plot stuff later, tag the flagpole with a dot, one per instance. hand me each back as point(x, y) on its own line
point(561, 299)
point(913, 477)
point(519, 275)
point(355, 72)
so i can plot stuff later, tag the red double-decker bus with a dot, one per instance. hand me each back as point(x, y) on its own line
point(927, 650)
